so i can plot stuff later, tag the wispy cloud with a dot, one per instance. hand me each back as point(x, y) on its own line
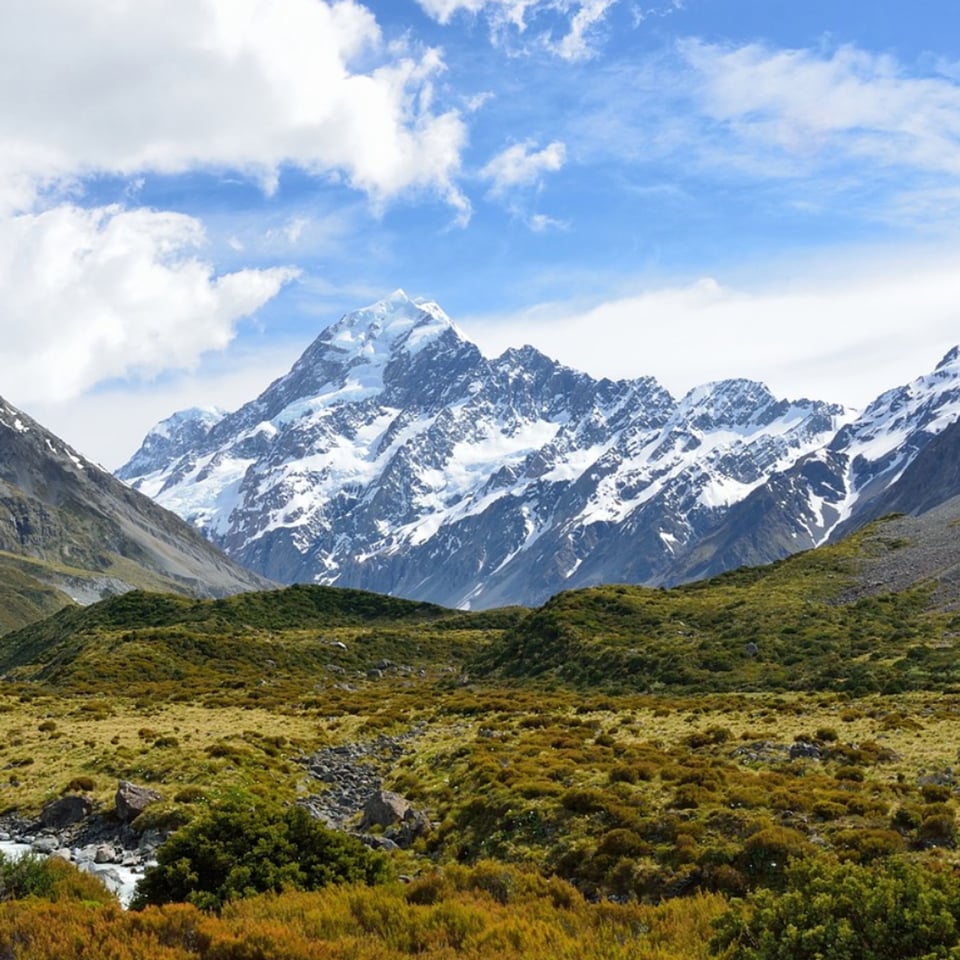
point(687, 334)
point(567, 28)
point(516, 175)
point(521, 165)
point(817, 110)
point(842, 130)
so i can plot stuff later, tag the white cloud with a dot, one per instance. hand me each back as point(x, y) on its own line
point(813, 109)
point(576, 44)
point(94, 294)
point(580, 18)
point(540, 222)
point(134, 86)
point(520, 165)
point(500, 11)
point(844, 336)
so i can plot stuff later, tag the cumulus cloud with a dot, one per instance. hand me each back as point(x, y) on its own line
point(521, 165)
point(132, 86)
point(580, 19)
point(94, 294)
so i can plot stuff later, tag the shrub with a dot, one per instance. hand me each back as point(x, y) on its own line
point(935, 793)
point(890, 911)
point(939, 830)
point(47, 878)
point(242, 848)
point(767, 852)
point(866, 844)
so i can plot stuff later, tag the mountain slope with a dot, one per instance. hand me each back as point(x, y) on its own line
point(71, 531)
point(394, 457)
point(898, 455)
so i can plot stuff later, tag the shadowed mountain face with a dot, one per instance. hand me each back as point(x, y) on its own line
point(69, 530)
point(394, 457)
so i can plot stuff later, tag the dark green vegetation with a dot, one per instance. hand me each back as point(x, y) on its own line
point(781, 627)
point(243, 848)
point(163, 643)
point(774, 748)
point(886, 911)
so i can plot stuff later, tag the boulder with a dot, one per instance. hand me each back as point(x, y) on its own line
point(383, 809)
point(105, 854)
point(132, 800)
point(65, 811)
point(415, 824)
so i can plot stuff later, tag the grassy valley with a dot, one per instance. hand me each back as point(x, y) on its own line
point(623, 772)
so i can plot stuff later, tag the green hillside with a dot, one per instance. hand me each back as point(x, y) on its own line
point(787, 626)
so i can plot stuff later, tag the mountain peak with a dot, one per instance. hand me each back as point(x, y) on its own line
point(949, 358)
point(394, 324)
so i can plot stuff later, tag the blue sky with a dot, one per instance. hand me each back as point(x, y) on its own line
point(190, 190)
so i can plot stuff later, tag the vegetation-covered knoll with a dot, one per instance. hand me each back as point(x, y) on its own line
point(144, 639)
point(784, 626)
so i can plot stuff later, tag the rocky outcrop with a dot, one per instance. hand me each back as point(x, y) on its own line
point(354, 798)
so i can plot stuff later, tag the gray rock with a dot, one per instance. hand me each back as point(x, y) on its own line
point(132, 800)
point(802, 750)
point(378, 843)
point(383, 809)
point(105, 854)
point(46, 845)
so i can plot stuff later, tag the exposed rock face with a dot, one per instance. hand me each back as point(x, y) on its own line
point(131, 800)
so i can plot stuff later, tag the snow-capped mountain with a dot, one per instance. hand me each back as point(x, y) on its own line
point(856, 477)
point(395, 457)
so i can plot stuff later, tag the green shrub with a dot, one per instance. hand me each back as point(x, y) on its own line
point(767, 853)
point(939, 830)
point(243, 848)
point(894, 910)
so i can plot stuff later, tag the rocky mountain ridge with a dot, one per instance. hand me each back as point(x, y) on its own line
point(394, 457)
point(71, 531)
